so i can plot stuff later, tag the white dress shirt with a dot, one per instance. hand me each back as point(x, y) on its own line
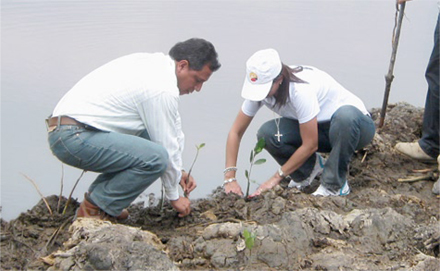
point(128, 95)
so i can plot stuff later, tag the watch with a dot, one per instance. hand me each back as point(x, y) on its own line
point(281, 173)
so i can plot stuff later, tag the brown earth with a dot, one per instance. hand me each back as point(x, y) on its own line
point(384, 224)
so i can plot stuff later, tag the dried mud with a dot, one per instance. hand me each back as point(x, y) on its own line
point(384, 224)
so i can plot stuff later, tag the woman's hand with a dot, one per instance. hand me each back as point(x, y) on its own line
point(267, 185)
point(233, 187)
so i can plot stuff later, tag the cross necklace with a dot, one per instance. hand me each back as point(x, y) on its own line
point(278, 134)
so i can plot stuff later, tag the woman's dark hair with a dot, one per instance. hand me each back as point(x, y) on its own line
point(198, 52)
point(288, 74)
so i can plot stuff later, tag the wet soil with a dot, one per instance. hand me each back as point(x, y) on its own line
point(383, 224)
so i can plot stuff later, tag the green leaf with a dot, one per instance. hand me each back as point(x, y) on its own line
point(260, 145)
point(260, 161)
point(246, 173)
point(200, 146)
point(249, 239)
point(252, 157)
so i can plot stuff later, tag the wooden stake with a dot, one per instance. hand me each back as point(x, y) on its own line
point(389, 77)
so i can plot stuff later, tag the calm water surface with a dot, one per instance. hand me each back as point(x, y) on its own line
point(47, 46)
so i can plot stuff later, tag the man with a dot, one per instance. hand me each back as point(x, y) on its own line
point(427, 147)
point(122, 120)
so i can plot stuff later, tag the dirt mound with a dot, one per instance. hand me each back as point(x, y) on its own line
point(383, 224)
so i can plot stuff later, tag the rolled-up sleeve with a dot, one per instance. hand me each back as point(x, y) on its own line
point(162, 121)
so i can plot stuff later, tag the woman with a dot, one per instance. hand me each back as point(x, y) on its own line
point(317, 115)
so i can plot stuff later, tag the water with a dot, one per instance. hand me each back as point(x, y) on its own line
point(47, 46)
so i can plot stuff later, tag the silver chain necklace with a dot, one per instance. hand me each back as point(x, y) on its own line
point(278, 134)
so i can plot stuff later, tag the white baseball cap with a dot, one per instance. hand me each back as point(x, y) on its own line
point(261, 69)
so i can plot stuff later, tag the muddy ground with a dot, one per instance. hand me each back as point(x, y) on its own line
point(384, 224)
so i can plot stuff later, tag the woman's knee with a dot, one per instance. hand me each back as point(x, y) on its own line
point(265, 131)
point(346, 114)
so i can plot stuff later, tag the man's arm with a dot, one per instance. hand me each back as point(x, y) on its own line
point(162, 120)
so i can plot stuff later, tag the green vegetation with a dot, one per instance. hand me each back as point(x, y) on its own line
point(257, 149)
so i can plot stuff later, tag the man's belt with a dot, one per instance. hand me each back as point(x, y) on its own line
point(64, 120)
point(52, 123)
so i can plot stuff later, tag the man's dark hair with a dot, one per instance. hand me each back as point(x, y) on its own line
point(198, 52)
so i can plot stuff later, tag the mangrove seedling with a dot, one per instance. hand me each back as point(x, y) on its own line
point(192, 165)
point(257, 149)
point(198, 147)
point(249, 241)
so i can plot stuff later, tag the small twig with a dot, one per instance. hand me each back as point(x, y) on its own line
point(71, 192)
point(423, 170)
point(416, 179)
point(365, 156)
point(233, 220)
point(56, 232)
point(61, 189)
point(162, 198)
point(39, 192)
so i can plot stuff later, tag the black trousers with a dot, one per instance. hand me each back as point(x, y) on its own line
point(430, 130)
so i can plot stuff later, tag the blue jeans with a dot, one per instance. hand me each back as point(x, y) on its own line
point(430, 129)
point(347, 131)
point(128, 164)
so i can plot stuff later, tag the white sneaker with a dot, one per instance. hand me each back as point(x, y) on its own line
point(317, 170)
point(414, 151)
point(322, 191)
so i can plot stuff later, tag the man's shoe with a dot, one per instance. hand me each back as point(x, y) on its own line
point(124, 215)
point(121, 217)
point(88, 209)
point(317, 170)
point(414, 151)
point(436, 186)
point(323, 191)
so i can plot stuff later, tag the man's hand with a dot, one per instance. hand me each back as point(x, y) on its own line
point(187, 184)
point(401, 1)
point(233, 187)
point(181, 205)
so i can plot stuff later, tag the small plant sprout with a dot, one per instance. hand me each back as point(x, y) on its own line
point(257, 149)
point(190, 169)
point(249, 241)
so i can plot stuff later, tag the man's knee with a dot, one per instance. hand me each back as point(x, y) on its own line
point(155, 160)
point(162, 160)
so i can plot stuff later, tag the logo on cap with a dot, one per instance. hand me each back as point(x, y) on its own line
point(253, 76)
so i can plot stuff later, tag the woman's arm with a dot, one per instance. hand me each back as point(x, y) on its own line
point(309, 136)
point(239, 127)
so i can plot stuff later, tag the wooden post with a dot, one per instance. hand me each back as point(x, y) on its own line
point(389, 77)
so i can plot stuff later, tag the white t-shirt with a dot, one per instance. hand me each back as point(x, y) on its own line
point(128, 95)
point(320, 97)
